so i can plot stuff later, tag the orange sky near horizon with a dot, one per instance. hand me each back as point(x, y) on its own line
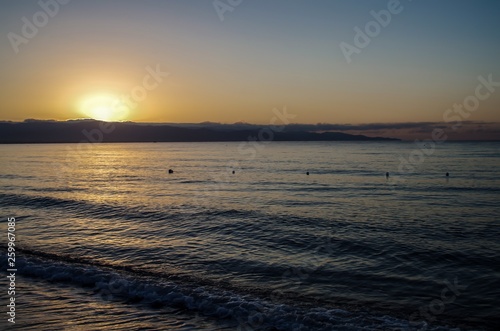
point(239, 69)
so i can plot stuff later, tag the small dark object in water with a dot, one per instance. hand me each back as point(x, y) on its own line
point(170, 171)
point(233, 172)
point(307, 173)
point(447, 174)
point(387, 175)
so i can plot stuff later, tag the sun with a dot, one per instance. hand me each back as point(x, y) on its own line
point(103, 107)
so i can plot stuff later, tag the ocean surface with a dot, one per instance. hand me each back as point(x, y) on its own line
point(107, 239)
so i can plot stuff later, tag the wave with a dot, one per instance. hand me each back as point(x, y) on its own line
point(288, 233)
point(106, 210)
point(247, 310)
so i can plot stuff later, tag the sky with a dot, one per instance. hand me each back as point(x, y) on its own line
point(190, 61)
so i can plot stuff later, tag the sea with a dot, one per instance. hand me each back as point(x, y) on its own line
point(251, 236)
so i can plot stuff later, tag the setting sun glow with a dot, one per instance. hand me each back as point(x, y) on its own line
point(103, 107)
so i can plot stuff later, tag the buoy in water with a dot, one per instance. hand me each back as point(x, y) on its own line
point(170, 171)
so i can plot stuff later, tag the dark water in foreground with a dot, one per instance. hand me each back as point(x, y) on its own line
point(108, 239)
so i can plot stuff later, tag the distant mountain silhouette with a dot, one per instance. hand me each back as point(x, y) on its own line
point(34, 131)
